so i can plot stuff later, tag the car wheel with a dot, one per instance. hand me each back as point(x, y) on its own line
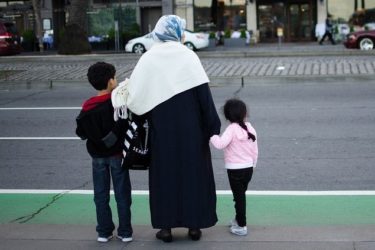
point(139, 48)
point(189, 45)
point(366, 44)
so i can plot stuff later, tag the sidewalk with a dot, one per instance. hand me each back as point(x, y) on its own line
point(56, 237)
point(222, 64)
point(283, 49)
point(254, 50)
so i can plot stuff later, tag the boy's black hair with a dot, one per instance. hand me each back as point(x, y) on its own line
point(100, 73)
point(235, 111)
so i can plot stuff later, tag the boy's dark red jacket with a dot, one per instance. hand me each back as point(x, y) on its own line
point(95, 124)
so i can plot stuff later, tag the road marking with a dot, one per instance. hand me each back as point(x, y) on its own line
point(41, 108)
point(219, 192)
point(40, 138)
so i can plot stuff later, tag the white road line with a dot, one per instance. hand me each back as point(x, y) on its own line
point(219, 192)
point(39, 138)
point(40, 108)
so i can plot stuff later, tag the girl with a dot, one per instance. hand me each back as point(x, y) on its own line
point(240, 155)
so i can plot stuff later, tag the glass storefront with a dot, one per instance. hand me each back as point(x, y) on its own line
point(223, 15)
point(102, 21)
point(296, 18)
point(110, 24)
point(344, 12)
point(270, 17)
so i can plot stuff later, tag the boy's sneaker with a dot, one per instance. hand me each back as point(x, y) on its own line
point(237, 230)
point(233, 222)
point(104, 239)
point(125, 239)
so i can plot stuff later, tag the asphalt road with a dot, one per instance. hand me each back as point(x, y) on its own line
point(313, 135)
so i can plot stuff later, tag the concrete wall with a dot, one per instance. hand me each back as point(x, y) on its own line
point(251, 19)
point(322, 10)
point(185, 9)
point(167, 7)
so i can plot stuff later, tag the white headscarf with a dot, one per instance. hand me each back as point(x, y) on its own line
point(169, 28)
point(164, 71)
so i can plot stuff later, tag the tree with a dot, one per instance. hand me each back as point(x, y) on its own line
point(38, 23)
point(74, 39)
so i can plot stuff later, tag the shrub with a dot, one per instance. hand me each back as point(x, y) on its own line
point(243, 33)
point(227, 33)
point(29, 36)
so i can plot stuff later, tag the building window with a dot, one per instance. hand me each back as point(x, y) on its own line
point(270, 17)
point(357, 13)
point(225, 15)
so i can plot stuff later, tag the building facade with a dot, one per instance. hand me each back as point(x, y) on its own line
point(296, 18)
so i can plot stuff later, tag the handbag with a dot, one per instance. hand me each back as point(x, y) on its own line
point(136, 149)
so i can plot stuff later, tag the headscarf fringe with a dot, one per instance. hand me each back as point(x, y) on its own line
point(119, 98)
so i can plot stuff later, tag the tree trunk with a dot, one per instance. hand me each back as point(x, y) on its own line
point(38, 23)
point(77, 13)
point(74, 40)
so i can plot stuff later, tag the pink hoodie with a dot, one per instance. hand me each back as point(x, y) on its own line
point(239, 151)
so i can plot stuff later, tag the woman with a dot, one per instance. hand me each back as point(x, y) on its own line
point(171, 86)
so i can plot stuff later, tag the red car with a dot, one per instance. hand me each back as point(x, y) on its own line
point(363, 40)
point(9, 39)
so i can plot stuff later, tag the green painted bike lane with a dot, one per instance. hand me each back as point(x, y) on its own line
point(262, 210)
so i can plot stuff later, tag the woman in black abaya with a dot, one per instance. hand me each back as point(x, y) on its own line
point(171, 86)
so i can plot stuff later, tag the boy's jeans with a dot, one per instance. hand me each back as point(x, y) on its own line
point(239, 180)
point(102, 170)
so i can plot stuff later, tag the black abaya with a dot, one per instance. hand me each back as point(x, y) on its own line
point(182, 186)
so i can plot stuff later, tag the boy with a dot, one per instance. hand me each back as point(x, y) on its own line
point(95, 124)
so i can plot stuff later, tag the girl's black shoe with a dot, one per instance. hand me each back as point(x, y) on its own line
point(164, 235)
point(195, 234)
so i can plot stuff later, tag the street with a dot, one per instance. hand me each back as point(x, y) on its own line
point(313, 187)
point(313, 135)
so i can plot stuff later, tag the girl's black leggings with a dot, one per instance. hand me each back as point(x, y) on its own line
point(239, 180)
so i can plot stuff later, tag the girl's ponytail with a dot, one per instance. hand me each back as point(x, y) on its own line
point(249, 135)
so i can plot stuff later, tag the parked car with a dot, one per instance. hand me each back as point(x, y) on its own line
point(9, 39)
point(193, 41)
point(363, 40)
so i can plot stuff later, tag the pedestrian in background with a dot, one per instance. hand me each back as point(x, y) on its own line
point(328, 31)
point(169, 84)
point(248, 37)
point(104, 137)
point(239, 142)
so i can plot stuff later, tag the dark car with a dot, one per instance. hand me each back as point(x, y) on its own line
point(9, 39)
point(363, 40)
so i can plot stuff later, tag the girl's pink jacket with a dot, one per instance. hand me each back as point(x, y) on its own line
point(239, 151)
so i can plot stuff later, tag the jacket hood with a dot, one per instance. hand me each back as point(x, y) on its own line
point(95, 101)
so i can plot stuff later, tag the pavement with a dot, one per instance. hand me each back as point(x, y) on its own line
point(15, 236)
point(244, 64)
point(239, 64)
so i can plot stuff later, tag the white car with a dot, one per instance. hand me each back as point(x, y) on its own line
point(193, 41)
